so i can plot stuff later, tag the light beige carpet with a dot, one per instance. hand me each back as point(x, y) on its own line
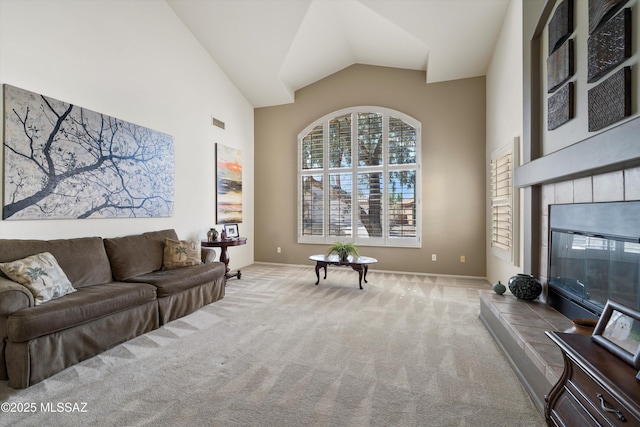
point(408, 350)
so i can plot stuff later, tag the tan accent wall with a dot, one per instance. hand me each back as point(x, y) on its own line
point(453, 166)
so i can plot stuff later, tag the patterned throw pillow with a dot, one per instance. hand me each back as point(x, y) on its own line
point(178, 254)
point(41, 274)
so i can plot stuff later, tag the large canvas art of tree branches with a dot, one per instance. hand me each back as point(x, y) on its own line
point(62, 161)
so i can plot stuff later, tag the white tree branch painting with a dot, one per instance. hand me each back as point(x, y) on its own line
point(62, 161)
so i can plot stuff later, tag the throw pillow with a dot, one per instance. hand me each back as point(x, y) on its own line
point(41, 274)
point(180, 253)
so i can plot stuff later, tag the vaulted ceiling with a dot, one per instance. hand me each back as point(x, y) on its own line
point(271, 48)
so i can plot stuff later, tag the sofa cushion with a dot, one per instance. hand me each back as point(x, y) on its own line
point(83, 260)
point(137, 254)
point(41, 274)
point(170, 282)
point(180, 253)
point(87, 304)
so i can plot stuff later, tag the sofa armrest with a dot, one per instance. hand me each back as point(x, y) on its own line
point(13, 297)
point(208, 255)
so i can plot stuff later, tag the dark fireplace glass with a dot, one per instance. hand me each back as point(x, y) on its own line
point(590, 270)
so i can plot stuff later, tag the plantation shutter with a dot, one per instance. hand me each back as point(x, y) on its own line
point(503, 216)
point(340, 214)
point(359, 179)
point(340, 177)
point(311, 184)
point(313, 149)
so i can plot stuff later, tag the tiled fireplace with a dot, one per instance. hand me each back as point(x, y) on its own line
point(518, 327)
point(594, 256)
point(616, 186)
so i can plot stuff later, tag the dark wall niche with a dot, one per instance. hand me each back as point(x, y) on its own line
point(609, 45)
point(560, 66)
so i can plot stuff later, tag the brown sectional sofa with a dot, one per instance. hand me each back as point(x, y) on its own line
point(122, 292)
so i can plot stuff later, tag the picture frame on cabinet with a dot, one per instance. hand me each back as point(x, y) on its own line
point(232, 231)
point(618, 330)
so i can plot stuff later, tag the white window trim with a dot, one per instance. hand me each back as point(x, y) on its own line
point(385, 168)
point(511, 252)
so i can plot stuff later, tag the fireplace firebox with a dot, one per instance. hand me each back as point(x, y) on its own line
point(594, 256)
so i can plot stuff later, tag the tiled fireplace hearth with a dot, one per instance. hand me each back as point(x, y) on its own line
point(518, 328)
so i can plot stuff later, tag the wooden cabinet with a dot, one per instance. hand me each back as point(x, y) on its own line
point(596, 388)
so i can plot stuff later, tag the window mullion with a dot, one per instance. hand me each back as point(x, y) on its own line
point(385, 177)
point(326, 211)
point(355, 207)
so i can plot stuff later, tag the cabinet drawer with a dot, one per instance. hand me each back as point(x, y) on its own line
point(593, 396)
point(592, 376)
point(569, 411)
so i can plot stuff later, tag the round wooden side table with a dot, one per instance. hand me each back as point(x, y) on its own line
point(224, 253)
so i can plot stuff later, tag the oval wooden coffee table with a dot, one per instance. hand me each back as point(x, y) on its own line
point(359, 264)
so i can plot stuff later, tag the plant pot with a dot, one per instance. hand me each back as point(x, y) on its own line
point(499, 288)
point(343, 251)
point(525, 287)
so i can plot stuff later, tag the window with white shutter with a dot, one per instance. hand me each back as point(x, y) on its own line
point(504, 203)
point(359, 178)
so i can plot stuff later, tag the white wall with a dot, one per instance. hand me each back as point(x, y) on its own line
point(134, 60)
point(504, 117)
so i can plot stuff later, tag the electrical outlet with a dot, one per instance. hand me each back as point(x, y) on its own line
point(463, 258)
point(433, 257)
point(279, 249)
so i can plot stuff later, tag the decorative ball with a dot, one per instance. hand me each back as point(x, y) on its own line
point(499, 288)
point(525, 287)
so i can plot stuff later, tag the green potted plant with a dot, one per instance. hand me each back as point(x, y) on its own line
point(343, 250)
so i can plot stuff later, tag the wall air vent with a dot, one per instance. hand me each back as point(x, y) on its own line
point(217, 122)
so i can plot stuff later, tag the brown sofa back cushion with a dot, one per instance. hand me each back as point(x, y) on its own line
point(137, 254)
point(83, 259)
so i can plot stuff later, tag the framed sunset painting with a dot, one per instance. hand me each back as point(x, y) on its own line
point(229, 185)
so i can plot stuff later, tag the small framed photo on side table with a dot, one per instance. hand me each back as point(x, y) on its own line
point(232, 231)
point(618, 330)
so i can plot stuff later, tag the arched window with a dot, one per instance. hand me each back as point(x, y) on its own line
point(359, 178)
